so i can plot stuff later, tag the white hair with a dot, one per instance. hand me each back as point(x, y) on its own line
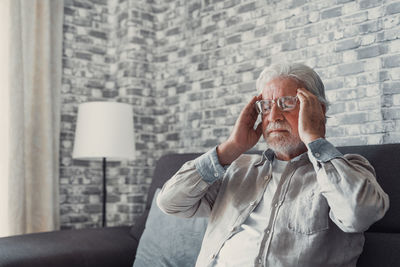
point(303, 74)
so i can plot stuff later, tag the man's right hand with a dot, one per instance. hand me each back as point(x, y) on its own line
point(243, 136)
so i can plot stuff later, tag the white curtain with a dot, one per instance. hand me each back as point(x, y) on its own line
point(34, 115)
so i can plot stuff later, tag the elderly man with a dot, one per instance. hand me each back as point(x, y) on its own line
point(302, 203)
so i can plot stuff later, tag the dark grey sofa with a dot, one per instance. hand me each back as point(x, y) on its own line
point(116, 246)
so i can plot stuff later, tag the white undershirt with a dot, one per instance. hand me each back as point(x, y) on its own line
point(243, 247)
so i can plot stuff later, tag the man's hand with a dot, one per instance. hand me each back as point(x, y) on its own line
point(311, 116)
point(243, 136)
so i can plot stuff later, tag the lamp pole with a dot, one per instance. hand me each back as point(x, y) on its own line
point(104, 222)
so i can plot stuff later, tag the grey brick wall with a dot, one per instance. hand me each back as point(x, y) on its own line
point(188, 68)
point(108, 51)
point(224, 45)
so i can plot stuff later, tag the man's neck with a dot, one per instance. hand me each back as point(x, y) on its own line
point(289, 155)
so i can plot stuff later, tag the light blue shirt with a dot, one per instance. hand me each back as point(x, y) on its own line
point(320, 208)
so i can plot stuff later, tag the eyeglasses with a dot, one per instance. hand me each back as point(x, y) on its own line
point(285, 103)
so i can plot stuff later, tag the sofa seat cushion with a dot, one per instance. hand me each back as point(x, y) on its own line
point(169, 240)
point(112, 246)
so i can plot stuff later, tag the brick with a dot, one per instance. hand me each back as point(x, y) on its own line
point(245, 67)
point(98, 34)
point(297, 3)
point(289, 46)
point(369, 3)
point(391, 113)
point(392, 8)
point(260, 32)
point(331, 13)
point(335, 131)
point(352, 118)
point(207, 84)
point(247, 27)
point(391, 61)
point(210, 29)
point(297, 21)
point(355, 18)
point(333, 84)
point(100, 2)
point(247, 7)
point(233, 21)
point(391, 137)
point(396, 100)
point(234, 39)
point(83, 4)
point(82, 55)
point(195, 116)
point(173, 31)
point(370, 27)
point(388, 34)
point(347, 44)
point(391, 88)
point(68, 12)
point(351, 68)
point(369, 104)
point(372, 51)
point(336, 107)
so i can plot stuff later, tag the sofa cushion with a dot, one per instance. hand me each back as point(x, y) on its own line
point(169, 240)
point(100, 247)
point(166, 167)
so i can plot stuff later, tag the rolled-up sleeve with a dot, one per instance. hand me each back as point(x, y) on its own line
point(349, 185)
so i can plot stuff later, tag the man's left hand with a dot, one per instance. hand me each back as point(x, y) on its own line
point(311, 116)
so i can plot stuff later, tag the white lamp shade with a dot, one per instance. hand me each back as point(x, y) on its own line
point(104, 130)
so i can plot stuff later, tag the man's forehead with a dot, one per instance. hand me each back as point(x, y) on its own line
point(280, 84)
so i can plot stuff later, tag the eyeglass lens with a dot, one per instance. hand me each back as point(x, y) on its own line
point(285, 103)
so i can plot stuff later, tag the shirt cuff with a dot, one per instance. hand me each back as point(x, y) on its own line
point(321, 150)
point(209, 167)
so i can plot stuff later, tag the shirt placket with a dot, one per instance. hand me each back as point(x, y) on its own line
point(242, 217)
point(261, 258)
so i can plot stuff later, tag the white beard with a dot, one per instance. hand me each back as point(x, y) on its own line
point(284, 143)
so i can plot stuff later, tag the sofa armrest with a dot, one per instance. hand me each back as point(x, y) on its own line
point(110, 246)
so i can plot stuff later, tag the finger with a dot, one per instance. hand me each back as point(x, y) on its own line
point(307, 94)
point(249, 115)
point(250, 107)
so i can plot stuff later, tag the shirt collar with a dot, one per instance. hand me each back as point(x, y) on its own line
point(269, 155)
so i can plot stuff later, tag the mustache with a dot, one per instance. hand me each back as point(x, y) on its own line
point(278, 125)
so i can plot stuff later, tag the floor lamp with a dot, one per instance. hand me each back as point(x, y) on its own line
point(104, 131)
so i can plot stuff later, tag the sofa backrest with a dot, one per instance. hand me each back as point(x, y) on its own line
point(385, 159)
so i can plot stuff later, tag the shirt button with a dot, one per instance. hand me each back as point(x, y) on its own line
point(267, 231)
point(317, 155)
point(259, 260)
point(216, 174)
point(276, 205)
point(252, 203)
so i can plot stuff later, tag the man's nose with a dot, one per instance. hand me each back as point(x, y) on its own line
point(275, 114)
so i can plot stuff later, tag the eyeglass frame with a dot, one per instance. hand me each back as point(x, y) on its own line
point(276, 102)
